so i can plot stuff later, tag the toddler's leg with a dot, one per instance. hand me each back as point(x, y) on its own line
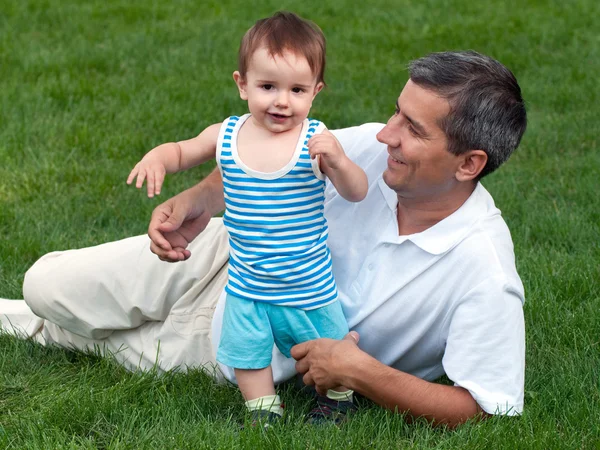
point(293, 326)
point(258, 391)
point(255, 383)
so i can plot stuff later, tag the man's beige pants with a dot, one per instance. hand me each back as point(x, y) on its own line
point(119, 298)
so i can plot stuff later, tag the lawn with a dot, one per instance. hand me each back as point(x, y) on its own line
point(87, 87)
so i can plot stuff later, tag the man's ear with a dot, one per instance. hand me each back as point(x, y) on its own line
point(241, 84)
point(472, 163)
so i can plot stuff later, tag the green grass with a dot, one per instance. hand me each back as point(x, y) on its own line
point(87, 87)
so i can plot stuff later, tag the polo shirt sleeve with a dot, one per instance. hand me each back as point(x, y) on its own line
point(485, 347)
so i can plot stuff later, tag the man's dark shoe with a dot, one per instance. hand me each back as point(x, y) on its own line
point(330, 411)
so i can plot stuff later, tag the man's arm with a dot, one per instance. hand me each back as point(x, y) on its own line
point(176, 222)
point(328, 363)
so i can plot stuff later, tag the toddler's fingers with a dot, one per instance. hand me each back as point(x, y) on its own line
point(140, 179)
point(150, 183)
point(314, 151)
point(132, 175)
point(313, 140)
point(160, 178)
point(318, 138)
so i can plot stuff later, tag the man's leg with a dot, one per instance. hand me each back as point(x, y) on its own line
point(120, 297)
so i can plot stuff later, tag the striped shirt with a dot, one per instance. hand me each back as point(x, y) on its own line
point(277, 230)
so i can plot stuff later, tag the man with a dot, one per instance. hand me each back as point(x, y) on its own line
point(424, 265)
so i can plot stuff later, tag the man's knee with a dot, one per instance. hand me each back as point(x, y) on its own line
point(50, 289)
point(39, 283)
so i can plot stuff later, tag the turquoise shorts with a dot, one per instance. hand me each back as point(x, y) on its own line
point(251, 328)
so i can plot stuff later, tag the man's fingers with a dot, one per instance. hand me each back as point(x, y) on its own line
point(159, 243)
point(169, 225)
point(308, 380)
point(352, 336)
point(320, 390)
point(302, 366)
point(299, 351)
point(171, 256)
point(182, 253)
point(172, 223)
point(155, 233)
point(159, 240)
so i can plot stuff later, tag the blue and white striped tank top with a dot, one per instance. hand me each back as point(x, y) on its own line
point(277, 230)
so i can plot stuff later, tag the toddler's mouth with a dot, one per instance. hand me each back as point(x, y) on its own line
point(278, 118)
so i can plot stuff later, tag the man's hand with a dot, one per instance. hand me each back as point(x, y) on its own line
point(327, 363)
point(324, 362)
point(176, 222)
point(150, 169)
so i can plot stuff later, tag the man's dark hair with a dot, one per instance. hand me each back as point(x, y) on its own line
point(487, 111)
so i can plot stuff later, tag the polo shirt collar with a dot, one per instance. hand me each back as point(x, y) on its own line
point(447, 233)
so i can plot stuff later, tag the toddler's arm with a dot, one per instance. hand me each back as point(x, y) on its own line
point(349, 179)
point(174, 157)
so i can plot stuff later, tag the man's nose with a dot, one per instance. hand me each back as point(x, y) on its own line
point(388, 135)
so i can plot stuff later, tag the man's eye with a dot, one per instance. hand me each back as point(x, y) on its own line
point(396, 111)
point(267, 87)
point(412, 130)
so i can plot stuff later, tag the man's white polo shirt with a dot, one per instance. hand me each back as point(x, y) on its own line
point(446, 300)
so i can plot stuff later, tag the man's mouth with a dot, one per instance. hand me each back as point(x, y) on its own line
point(397, 161)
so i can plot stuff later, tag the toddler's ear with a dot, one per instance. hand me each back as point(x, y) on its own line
point(320, 85)
point(241, 84)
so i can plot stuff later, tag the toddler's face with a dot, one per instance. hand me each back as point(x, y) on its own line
point(279, 89)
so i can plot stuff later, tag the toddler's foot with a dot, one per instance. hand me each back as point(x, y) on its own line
point(263, 418)
point(330, 411)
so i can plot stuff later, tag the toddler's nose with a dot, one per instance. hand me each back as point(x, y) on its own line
point(282, 99)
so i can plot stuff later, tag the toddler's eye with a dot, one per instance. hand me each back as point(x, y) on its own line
point(297, 90)
point(267, 87)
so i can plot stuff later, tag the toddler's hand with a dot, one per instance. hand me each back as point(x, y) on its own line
point(328, 148)
point(151, 170)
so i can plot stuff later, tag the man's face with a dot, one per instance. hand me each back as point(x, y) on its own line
point(419, 164)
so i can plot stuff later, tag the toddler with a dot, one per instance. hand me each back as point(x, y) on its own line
point(273, 162)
